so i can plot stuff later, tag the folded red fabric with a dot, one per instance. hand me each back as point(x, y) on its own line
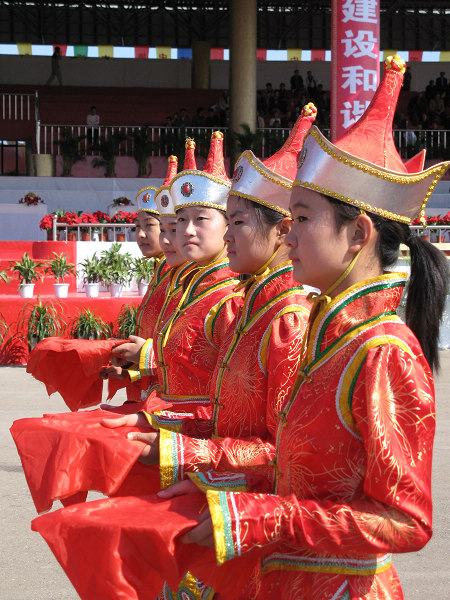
point(134, 543)
point(66, 456)
point(71, 367)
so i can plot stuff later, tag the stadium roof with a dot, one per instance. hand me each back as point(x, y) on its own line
point(408, 24)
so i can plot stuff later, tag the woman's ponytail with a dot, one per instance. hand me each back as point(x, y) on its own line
point(428, 283)
point(427, 292)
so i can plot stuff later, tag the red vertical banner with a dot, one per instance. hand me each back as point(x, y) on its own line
point(355, 63)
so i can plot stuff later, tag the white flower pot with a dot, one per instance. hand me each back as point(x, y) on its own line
point(143, 287)
point(95, 236)
point(61, 290)
point(26, 290)
point(92, 290)
point(116, 290)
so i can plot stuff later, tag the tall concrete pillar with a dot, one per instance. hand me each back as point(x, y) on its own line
point(243, 65)
point(201, 72)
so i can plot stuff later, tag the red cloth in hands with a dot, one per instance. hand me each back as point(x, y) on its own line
point(71, 367)
point(134, 544)
point(70, 453)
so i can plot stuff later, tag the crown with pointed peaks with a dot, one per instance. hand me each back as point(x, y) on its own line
point(189, 155)
point(145, 200)
point(269, 182)
point(363, 167)
point(163, 199)
point(209, 187)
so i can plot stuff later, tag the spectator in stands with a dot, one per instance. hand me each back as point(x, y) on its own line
point(260, 103)
point(260, 121)
point(436, 108)
point(296, 82)
point(441, 83)
point(407, 79)
point(267, 95)
point(198, 120)
point(224, 101)
point(275, 120)
point(93, 123)
point(212, 119)
point(417, 107)
point(283, 98)
point(311, 85)
point(430, 90)
point(56, 67)
point(225, 118)
point(183, 119)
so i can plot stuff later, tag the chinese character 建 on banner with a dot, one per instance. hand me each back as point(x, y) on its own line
point(355, 60)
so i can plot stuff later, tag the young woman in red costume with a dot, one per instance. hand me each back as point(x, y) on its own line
point(352, 468)
point(189, 330)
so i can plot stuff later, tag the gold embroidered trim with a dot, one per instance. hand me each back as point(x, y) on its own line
point(278, 179)
point(150, 210)
point(347, 200)
point(200, 174)
point(205, 204)
point(283, 211)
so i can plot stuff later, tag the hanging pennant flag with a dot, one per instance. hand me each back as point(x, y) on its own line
point(184, 53)
point(294, 54)
point(415, 56)
point(216, 54)
point(24, 48)
point(62, 48)
point(261, 54)
point(317, 54)
point(444, 56)
point(141, 52)
point(81, 51)
point(163, 52)
point(106, 51)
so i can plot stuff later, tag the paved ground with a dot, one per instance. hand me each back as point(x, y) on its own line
point(28, 570)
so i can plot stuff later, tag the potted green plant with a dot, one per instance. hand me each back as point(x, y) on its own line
point(4, 277)
point(69, 146)
point(59, 268)
point(42, 321)
point(28, 272)
point(117, 269)
point(89, 326)
point(248, 140)
point(92, 271)
point(142, 150)
point(108, 147)
point(143, 272)
point(126, 321)
point(4, 328)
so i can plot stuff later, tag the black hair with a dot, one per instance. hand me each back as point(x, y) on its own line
point(266, 217)
point(428, 282)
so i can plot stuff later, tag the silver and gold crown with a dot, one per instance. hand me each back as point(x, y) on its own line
point(269, 182)
point(364, 168)
point(209, 187)
point(145, 200)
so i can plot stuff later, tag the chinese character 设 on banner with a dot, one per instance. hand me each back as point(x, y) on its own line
point(355, 66)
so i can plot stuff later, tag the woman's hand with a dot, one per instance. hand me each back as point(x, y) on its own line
point(150, 454)
point(113, 371)
point(130, 351)
point(135, 420)
point(203, 534)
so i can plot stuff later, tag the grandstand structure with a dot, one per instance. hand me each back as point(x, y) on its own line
point(131, 93)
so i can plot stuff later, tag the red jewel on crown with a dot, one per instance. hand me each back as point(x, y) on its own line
point(147, 197)
point(165, 201)
point(238, 173)
point(187, 189)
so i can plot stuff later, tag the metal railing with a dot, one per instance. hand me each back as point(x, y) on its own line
point(170, 140)
point(439, 233)
point(18, 107)
point(100, 228)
